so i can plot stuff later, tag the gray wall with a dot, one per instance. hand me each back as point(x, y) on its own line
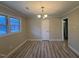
point(73, 25)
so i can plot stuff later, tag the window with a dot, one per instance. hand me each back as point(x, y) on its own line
point(3, 26)
point(14, 24)
point(9, 25)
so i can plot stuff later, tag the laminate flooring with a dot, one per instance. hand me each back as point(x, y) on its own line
point(44, 49)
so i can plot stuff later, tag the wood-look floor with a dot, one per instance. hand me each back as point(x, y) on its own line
point(44, 49)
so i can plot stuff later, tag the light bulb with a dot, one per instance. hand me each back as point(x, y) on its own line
point(45, 15)
point(39, 16)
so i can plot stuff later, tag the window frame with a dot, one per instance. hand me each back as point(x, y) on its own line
point(6, 24)
point(15, 25)
point(8, 32)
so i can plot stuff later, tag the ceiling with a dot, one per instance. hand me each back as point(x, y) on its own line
point(30, 8)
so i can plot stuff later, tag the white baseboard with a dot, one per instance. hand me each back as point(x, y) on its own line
point(55, 40)
point(15, 49)
point(73, 49)
point(34, 39)
point(47, 39)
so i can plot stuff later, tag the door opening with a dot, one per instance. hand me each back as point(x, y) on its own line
point(65, 29)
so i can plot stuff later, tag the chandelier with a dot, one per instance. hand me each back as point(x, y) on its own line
point(42, 15)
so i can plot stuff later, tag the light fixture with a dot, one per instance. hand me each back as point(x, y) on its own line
point(42, 15)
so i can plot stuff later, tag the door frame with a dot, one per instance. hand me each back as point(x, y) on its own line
point(63, 27)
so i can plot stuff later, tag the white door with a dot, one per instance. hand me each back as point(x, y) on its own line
point(45, 29)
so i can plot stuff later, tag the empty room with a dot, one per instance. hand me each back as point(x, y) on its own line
point(39, 29)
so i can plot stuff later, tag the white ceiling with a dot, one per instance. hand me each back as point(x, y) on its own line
point(54, 8)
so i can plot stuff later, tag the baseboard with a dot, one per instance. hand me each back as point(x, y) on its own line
point(34, 39)
point(47, 39)
point(55, 40)
point(74, 50)
point(15, 49)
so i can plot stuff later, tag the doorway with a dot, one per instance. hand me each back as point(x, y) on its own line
point(45, 29)
point(65, 29)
